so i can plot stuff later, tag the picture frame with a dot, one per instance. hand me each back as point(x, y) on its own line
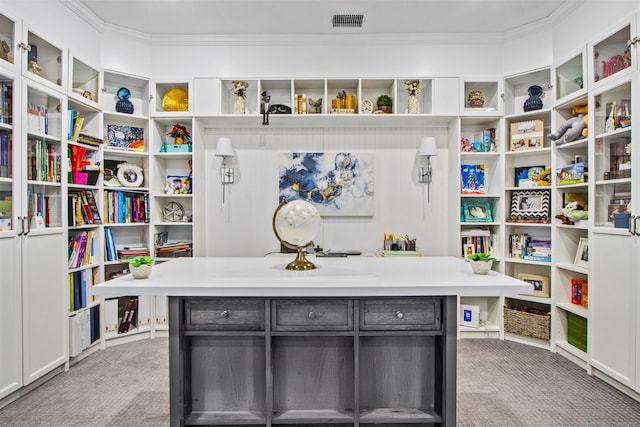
point(527, 176)
point(477, 212)
point(530, 206)
point(527, 135)
point(540, 284)
point(582, 253)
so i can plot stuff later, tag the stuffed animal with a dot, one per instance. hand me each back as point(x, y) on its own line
point(571, 129)
point(573, 212)
point(544, 178)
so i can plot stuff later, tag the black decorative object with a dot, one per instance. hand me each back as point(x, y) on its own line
point(264, 108)
point(534, 102)
point(124, 105)
point(279, 109)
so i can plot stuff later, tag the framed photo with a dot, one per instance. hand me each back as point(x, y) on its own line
point(527, 176)
point(540, 284)
point(477, 212)
point(582, 254)
point(530, 206)
point(527, 135)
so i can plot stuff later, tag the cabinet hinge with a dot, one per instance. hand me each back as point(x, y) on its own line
point(633, 41)
point(24, 46)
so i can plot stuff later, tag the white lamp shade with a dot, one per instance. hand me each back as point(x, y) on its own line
point(428, 147)
point(224, 148)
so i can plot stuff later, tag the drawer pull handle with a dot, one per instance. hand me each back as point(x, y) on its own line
point(225, 313)
point(312, 315)
point(399, 314)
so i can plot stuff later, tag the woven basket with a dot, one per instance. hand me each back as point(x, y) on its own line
point(527, 324)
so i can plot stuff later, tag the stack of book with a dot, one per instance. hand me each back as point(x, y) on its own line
point(476, 240)
point(522, 246)
point(174, 249)
point(127, 253)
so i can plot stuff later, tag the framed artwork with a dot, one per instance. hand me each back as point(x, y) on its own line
point(336, 183)
point(477, 212)
point(527, 176)
point(530, 206)
point(582, 254)
point(540, 284)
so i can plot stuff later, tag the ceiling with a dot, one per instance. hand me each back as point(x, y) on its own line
point(162, 18)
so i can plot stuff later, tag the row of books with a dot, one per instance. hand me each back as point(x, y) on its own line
point(128, 314)
point(6, 102)
point(122, 207)
point(38, 119)
point(6, 169)
point(110, 253)
point(44, 161)
point(579, 292)
point(476, 240)
point(524, 247)
point(81, 249)
point(83, 208)
point(132, 252)
point(174, 249)
point(79, 282)
point(84, 329)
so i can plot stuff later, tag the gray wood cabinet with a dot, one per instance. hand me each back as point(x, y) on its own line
point(305, 362)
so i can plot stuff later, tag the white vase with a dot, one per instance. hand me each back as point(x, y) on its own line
point(238, 105)
point(481, 267)
point(140, 272)
point(413, 106)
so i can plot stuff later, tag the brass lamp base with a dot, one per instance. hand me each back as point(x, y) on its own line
point(301, 263)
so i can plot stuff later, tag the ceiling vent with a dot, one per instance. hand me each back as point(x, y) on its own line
point(347, 20)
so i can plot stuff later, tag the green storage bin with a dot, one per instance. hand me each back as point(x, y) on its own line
point(577, 331)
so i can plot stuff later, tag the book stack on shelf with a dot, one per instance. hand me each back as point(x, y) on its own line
point(522, 246)
point(476, 240)
point(129, 313)
point(122, 207)
point(83, 209)
point(38, 119)
point(131, 252)
point(174, 250)
point(44, 161)
point(6, 106)
point(84, 330)
point(110, 253)
point(78, 284)
point(81, 249)
point(579, 292)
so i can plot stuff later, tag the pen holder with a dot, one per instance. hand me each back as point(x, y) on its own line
point(79, 178)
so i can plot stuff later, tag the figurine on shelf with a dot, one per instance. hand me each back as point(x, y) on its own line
point(264, 108)
point(34, 68)
point(124, 105)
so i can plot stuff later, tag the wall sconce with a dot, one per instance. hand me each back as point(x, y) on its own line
point(224, 149)
point(427, 149)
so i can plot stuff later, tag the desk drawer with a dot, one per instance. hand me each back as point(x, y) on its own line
point(224, 314)
point(312, 315)
point(401, 314)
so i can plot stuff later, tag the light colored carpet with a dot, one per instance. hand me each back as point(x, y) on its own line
point(500, 383)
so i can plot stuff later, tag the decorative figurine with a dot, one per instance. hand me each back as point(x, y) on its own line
point(124, 105)
point(264, 108)
point(315, 107)
point(534, 102)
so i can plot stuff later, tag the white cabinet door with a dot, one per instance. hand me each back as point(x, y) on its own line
point(10, 326)
point(612, 303)
point(44, 319)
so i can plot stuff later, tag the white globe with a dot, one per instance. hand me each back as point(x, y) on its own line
point(297, 222)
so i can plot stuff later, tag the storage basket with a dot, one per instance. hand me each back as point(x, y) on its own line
point(527, 324)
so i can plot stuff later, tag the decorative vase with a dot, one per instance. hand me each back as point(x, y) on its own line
point(414, 105)
point(238, 105)
point(140, 272)
point(534, 102)
point(481, 267)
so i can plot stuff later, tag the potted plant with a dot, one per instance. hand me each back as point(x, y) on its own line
point(384, 103)
point(480, 263)
point(140, 266)
point(180, 134)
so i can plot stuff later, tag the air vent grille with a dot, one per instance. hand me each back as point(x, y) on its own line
point(348, 21)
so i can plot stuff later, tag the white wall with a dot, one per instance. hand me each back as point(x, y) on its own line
point(242, 225)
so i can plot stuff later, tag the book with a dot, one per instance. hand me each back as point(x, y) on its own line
point(473, 179)
point(126, 309)
point(570, 174)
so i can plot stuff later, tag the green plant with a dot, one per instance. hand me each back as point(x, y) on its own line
point(481, 257)
point(384, 100)
point(140, 260)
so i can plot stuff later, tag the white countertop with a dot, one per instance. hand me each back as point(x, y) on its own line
point(333, 277)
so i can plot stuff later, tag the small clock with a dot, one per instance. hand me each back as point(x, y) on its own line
point(173, 212)
point(367, 106)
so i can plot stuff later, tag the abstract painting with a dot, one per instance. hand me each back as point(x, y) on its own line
point(336, 183)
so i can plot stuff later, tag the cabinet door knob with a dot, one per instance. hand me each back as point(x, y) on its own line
point(399, 314)
point(225, 313)
point(312, 315)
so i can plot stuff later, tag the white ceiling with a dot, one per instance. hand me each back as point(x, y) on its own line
point(163, 18)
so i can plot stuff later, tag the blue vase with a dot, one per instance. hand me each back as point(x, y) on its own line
point(534, 102)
